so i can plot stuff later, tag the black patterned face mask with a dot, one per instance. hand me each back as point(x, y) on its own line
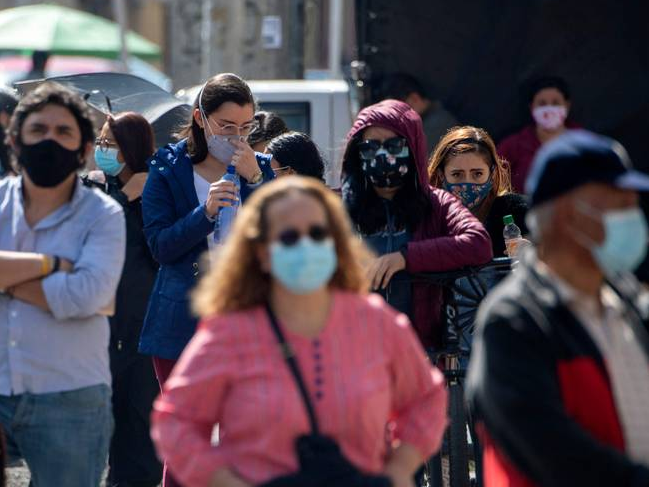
point(387, 170)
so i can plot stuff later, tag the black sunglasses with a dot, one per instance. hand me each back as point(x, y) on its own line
point(368, 148)
point(291, 236)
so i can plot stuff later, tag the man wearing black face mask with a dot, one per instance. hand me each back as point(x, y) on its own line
point(62, 254)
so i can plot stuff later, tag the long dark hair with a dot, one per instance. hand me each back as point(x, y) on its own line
point(366, 209)
point(270, 126)
point(218, 90)
point(298, 151)
point(134, 136)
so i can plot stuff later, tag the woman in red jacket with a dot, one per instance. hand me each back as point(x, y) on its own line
point(411, 226)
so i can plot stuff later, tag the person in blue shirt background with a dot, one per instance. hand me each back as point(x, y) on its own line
point(181, 200)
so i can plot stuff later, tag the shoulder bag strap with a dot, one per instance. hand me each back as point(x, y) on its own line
point(289, 356)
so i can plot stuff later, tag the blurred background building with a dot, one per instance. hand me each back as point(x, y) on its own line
point(258, 39)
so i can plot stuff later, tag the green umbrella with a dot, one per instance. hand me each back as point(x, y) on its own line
point(62, 30)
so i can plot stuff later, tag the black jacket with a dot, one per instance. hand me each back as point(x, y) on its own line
point(137, 278)
point(540, 392)
point(508, 204)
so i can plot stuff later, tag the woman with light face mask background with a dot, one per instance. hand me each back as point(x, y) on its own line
point(181, 201)
point(549, 104)
point(292, 259)
point(465, 164)
point(411, 226)
point(124, 145)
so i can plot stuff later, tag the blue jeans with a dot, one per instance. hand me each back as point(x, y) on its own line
point(62, 436)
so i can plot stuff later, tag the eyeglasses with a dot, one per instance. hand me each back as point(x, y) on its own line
point(231, 129)
point(291, 236)
point(394, 146)
point(105, 144)
point(283, 171)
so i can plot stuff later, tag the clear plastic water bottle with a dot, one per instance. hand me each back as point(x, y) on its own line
point(226, 215)
point(512, 235)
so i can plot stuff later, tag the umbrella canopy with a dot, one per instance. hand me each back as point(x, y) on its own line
point(62, 30)
point(14, 67)
point(118, 92)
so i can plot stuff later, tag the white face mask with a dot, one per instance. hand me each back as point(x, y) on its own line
point(550, 117)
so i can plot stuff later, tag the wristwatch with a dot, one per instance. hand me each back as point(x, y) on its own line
point(257, 178)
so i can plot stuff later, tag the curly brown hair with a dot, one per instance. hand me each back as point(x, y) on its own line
point(237, 282)
point(468, 139)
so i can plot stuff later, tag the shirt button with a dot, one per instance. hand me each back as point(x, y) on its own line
point(13, 343)
point(319, 395)
point(13, 314)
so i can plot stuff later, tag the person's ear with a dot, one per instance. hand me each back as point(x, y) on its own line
point(87, 151)
point(263, 256)
point(198, 118)
point(4, 119)
point(413, 99)
point(120, 157)
point(13, 143)
point(568, 106)
point(416, 102)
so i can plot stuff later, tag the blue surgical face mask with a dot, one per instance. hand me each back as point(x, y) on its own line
point(305, 266)
point(471, 194)
point(107, 161)
point(625, 238)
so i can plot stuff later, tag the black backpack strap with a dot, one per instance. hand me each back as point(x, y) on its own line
point(289, 356)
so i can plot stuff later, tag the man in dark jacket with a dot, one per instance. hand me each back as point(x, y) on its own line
point(559, 377)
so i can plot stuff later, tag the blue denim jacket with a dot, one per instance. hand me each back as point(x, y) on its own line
point(176, 230)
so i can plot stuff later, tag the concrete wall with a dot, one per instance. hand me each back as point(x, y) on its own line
point(235, 41)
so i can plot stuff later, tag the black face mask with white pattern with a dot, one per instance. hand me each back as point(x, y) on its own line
point(386, 170)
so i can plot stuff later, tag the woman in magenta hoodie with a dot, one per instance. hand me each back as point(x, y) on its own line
point(411, 226)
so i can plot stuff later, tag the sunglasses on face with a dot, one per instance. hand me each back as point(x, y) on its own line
point(394, 146)
point(291, 236)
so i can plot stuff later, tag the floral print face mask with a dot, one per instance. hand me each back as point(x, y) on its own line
point(471, 194)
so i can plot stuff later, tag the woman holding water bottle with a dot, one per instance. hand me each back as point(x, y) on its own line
point(182, 199)
point(466, 164)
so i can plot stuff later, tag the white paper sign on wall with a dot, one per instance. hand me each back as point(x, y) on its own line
point(271, 32)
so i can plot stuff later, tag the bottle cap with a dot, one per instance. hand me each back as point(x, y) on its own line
point(508, 219)
point(231, 169)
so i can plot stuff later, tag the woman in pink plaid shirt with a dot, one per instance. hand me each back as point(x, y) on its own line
point(292, 254)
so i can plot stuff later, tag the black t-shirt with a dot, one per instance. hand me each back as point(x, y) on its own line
point(509, 204)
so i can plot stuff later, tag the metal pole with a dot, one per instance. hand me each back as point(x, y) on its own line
point(335, 37)
point(119, 11)
point(206, 39)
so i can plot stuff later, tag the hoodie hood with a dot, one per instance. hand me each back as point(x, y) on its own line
point(401, 119)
